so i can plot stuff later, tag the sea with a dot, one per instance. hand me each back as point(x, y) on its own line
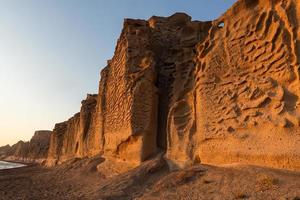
point(9, 165)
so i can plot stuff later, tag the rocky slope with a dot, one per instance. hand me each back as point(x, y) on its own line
point(218, 92)
point(36, 150)
point(79, 179)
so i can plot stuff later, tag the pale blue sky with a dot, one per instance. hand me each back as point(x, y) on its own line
point(51, 53)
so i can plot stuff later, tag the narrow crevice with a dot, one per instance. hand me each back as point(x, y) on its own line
point(164, 81)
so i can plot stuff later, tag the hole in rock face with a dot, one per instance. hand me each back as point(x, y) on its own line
point(221, 25)
point(230, 129)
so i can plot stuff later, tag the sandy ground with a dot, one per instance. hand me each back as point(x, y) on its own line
point(79, 179)
point(70, 181)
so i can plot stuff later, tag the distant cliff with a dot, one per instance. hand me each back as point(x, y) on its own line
point(78, 137)
point(219, 92)
point(36, 150)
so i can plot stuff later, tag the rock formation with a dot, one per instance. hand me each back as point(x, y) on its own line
point(39, 146)
point(76, 137)
point(36, 150)
point(246, 93)
point(218, 92)
point(129, 97)
point(5, 151)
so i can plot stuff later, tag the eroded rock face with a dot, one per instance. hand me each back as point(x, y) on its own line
point(5, 151)
point(39, 145)
point(140, 83)
point(216, 92)
point(75, 138)
point(129, 96)
point(135, 92)
point(242, 105)
point(35, 150)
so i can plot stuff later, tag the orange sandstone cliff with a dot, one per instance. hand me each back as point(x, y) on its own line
point(218, 92)
point(78, 137)
point(246, 93)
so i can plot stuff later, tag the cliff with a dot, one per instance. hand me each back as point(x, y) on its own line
point(36, 150)
point(246, 93)
point(5, 151)
point(77, 137)
point(218, 92)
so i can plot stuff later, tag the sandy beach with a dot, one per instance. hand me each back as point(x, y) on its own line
point(36, 182)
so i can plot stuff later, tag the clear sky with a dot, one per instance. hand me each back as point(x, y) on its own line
point(51, 53)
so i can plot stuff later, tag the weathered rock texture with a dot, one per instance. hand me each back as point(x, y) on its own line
point(39, 145)
point(129, 96)
point(75, 138)
point(215, 92)
point(246, 93)
point(36, 150)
